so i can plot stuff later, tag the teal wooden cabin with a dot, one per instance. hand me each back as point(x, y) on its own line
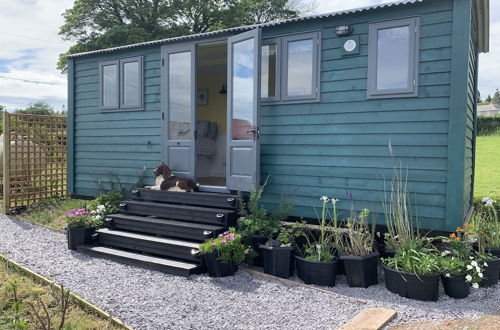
point(317, 102)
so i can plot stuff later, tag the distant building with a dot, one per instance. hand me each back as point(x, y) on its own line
point(488, 109)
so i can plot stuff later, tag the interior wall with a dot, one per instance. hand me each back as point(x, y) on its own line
point(215, 111)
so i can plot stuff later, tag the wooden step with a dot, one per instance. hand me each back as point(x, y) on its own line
point(160, 264)
point(213, 216)
point(225, 201)
point(160, 246)
point(164, 227)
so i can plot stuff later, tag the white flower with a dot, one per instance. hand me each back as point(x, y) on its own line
point(480, 275)
point(334, 200)
point(97, 217)
point(101, 207)
point(445, 253)
point(474, 263)
point(471, 258)
point(448, 275)
point(468, 278)
point(469, 267)
point(478, 269)
point(485, 264)
point(325, 199)
point(475, 285)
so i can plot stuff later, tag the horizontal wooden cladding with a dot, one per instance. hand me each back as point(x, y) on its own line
point(359, 139)
point(354, 150)
point(140, 148)
point(306, 171)
point(118, 124)
point(440, 127)
point(307, 199)
point(417, 163)
point(116, 116)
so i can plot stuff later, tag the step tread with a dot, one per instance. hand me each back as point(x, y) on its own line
point(138, 256)
point(196, 193)
point(150, 238)
point(182, 207)
point(161, 221)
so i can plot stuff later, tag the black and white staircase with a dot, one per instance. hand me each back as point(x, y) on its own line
point(162, 230)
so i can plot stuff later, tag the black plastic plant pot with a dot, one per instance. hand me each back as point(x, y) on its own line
point(79, 236)
point(316, 272)
point(495, 251)
point(215, 268)
point(491, 273)
point(456, 286)
point(256, 241)
point(361, 271)
point(277, 261)
point(408, 285)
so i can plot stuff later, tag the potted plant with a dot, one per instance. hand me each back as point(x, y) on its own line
point(484, 229)
point(257, 225)
point(459, 269)
point(359, 257)
point(413, 274)
point(278, 254)
point(318, 262)
point(79, 228)
point(223, 254)
point(103, 205)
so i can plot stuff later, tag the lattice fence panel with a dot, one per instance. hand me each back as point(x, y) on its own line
point(35, 164)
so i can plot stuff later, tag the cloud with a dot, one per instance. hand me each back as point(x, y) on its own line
point(29, 49)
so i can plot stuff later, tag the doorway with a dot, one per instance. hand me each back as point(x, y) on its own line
point(211, 113)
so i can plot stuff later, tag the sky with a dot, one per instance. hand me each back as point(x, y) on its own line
point(30, 45)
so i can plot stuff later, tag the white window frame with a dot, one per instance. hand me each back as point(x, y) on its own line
point(412, 90)
point(282, 66)
point(121, 106)
point(277, 87)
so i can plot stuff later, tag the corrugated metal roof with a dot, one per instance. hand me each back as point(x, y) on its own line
point(247, 27)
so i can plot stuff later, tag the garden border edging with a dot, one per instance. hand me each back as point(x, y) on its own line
point(77, 299)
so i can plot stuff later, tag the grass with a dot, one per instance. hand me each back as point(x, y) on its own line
point(487, 178)
point(21, 316)
point(50, 212)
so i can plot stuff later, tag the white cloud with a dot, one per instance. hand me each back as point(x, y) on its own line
point(29, 49)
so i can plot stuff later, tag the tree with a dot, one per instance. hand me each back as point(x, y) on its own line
point(479, 97)
point(98, 24)
point(496, 97)
point(488, 99)
point(38, 108)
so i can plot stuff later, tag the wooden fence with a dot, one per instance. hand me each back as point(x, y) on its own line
point(34, 159)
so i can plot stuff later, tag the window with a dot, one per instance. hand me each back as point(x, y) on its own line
point(121, 84)
point(393, 58)
point(290, 68)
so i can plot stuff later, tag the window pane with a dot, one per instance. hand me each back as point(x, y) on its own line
point(300, 67)
point(179, 95)
point(268, 70)
point(243, 89)
point(131, 83)
point(110, 85)
point(393, 51)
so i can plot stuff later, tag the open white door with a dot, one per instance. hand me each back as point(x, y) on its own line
point(178, 109)
point(243, 103)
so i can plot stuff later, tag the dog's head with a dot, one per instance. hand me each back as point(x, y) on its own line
point(162, 170)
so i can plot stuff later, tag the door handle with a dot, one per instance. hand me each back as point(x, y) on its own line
point(255, 132)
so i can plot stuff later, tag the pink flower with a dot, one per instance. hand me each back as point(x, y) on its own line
point(223, 241)
point(214, 244)
point(220, 235)
point(226, 232)
point(232, 238)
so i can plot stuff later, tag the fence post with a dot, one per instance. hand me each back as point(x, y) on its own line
point(6, 161)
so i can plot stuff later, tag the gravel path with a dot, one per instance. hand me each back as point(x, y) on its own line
point(148, 299)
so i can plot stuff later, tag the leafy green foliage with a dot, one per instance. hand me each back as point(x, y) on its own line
point(79, 218)
point(103, 205)
point(98, 24)
point(37, 108)
point(425, 261)
point(488, 125)
point(228, 246)
point(256, 220)
point(359, 240)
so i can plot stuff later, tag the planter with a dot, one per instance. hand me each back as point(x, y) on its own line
point(216, 268)
point(389, 253)
point(495, 251)
point(456, 286)
point(316, 272)
point(278, 261)
point(361, 271)
point(255, 242)
point(79, 236)
point(421, 287)
point(491, 272)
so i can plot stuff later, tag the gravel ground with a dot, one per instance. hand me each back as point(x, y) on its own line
point(148, 299)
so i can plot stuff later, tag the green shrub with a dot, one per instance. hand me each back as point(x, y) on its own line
point(103, 205)
point(488, 125)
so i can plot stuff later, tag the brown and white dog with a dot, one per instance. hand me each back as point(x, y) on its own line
point(165, 180)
